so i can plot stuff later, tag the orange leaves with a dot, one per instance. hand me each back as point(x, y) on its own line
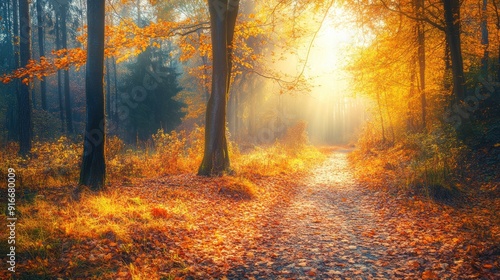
point(429, 275)
point(160, 213)
point(61, 59)
point(5, 79)
point(487, 266)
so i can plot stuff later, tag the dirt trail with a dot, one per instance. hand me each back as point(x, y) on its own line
point(334, 229)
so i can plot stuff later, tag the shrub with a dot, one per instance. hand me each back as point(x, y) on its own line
point(288, 155)
point(426, 162)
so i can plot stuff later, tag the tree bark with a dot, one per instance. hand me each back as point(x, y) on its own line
point(452, 30)
point(43, 82)
point(23, 97)
point(93, 171)
point(223, 14)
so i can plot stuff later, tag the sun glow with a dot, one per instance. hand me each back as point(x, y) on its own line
point(334, 112)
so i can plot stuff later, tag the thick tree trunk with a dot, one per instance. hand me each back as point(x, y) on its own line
point(23, 98)
point(223, 15)
point(43, 82)
point(67, 98)
point(93, 171)
point(452, 30)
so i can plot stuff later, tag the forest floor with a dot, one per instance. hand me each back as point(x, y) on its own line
point(315, 225)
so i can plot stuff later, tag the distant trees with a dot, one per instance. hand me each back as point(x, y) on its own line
point(93, 170)
point(148, 96)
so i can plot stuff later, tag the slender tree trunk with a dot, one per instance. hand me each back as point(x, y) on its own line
point(236, 117)
point(43, 82)
point(497, 23)
point(379, 104)
point(15, 37)
point(67, 97)
point(421, 60)
point(59, 74)
point(115, 83)
point(452, 30)
point(108, 89)
point(23, 98)
point(93, 171)
point(410, 125)
point(13, 124)
point(223, 15)
point(484, 39)
point(389, 118)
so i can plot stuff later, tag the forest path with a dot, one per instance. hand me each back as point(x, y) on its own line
point(335, 229)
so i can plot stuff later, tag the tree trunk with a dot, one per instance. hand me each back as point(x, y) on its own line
point(67, 98)
point(23, 98)
point(452, 30)
point(108, 89)
point(13, 121)
point(59, 74)
point(43, 82)
point(421, 60)
point(484, 39)
point(410, 125)
point(223, 15)
point(379, 104)
point(93, 171)
point(115, 83)
point(15, 37)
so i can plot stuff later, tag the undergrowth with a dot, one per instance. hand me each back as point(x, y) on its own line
point(429, 163)
point(57, 163)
